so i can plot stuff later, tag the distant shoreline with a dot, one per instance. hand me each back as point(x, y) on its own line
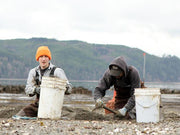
point(20, 89)
point(24, 79)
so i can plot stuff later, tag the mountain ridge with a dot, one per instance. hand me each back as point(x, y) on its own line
point(82, 60)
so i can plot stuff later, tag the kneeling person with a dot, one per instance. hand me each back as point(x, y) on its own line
point(45, 68)
point(124, 78)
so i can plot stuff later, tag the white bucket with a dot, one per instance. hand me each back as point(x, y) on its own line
point(51, 97)
point(147, 104)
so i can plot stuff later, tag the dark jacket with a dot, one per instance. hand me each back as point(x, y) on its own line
point(129, 81)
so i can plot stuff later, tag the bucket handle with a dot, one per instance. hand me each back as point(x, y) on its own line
point(146, 106)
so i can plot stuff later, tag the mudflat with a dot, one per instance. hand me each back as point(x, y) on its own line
point(77, 118)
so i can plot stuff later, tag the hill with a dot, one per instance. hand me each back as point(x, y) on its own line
point(81, 60)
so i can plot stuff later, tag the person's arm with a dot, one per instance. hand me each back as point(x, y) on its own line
point(31, 84)
point(61, 74)
point(104, 84)
point(135, 83)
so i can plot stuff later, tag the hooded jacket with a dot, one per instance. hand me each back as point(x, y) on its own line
point(129, 80)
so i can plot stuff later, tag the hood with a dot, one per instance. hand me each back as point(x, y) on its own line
point(120, 62)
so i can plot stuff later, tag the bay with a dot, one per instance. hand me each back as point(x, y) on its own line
point(91, 84)
point(162, 85)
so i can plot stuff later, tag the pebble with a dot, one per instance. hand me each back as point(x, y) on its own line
point(79, 127)
point(169, 126)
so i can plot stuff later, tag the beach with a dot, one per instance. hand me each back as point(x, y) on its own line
point(78, 118)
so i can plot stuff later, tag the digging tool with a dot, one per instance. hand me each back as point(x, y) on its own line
point(111, 110)
point(131, 114)
point(107, 108)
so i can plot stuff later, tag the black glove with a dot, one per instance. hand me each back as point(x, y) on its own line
point(68, 89)
point(37, 90)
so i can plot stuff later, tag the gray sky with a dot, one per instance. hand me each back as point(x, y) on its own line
point(150, 25)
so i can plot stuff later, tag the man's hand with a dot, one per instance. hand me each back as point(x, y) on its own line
point(122, 111)
point(68, 89)
point(37, 90)
point(99, 103)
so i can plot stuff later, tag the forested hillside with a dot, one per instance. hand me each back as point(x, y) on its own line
point(81, 60)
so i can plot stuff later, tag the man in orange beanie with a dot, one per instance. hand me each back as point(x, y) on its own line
point(45, 68)
point(43, 50)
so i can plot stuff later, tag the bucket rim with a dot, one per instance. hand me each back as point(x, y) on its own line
point(53, 78)
point(147, 91)
point(155, 88)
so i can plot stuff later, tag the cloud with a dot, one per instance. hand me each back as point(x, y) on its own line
point(153, 26)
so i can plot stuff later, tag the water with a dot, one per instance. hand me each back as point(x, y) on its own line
point(23, 99)
point(12, 81)
point(162, 85)
point(92, 84)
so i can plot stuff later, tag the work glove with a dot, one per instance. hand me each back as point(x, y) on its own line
point(68, 89)
point(122, 112)
point(37, 90)
point(99, 103)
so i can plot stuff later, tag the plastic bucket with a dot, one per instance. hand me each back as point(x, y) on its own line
point(51, 97)
point(147, 104)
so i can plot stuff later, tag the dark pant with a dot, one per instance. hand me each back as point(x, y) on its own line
point(32, 109)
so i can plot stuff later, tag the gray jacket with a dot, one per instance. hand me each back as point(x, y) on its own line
point(130, 80)
point(31, 84)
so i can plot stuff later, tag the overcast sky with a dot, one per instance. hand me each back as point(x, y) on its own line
point(150, 25)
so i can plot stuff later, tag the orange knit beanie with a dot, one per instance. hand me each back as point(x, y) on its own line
point(43, 50)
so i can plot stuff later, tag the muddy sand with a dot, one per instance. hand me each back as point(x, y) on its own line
point(77, 118)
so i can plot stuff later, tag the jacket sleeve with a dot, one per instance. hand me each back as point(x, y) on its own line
point(30, 86)
point(104, 84)
point(61, 74)
point(135, 83)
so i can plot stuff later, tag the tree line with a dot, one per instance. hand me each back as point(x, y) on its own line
point(81, 60)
